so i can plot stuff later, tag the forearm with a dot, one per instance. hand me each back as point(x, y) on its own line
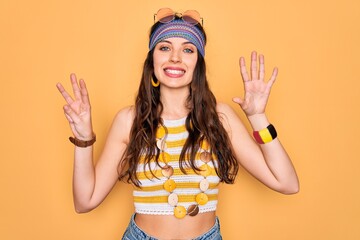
point(276, 158)
point(83, 178)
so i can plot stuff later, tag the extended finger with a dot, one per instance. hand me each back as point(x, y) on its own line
point(262, 67)
point(272, 79)
point(63, 92)
point(84, 92)
point(243, 71)
point(75, 86)
point(253, 67)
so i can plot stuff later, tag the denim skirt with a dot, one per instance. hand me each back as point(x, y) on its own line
point(133, 232)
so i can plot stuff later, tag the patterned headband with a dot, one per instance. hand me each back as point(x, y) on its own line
point(178, 28)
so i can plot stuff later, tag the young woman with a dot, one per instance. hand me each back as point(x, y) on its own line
point(177, 143)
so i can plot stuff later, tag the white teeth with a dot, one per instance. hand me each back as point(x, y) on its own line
point(172, 71)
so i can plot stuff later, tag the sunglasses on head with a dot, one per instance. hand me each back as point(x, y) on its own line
point(165, 15)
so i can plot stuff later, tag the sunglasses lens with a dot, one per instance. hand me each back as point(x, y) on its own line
point(165, 15)
point(191, 16)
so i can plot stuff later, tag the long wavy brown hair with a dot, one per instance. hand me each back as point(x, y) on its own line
point(202, 123)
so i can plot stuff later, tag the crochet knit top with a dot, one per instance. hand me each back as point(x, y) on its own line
point(152, 198)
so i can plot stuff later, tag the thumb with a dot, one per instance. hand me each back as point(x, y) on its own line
point(238, 100)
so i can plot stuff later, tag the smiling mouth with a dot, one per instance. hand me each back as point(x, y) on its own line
point(174, 71)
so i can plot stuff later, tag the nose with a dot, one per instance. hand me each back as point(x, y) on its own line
point(175, 56)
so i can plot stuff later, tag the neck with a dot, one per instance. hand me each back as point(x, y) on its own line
point(174, 102)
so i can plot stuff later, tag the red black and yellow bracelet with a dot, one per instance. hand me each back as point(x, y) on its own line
point(265, 135)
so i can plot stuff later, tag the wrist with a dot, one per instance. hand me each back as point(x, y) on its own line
point(258, 121)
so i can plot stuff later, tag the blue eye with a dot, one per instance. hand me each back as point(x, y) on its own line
point(164, 48)
point(188, 50)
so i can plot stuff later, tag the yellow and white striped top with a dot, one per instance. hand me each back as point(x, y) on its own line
point(152, 198)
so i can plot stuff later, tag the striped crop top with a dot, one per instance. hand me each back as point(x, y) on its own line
point(156, 196)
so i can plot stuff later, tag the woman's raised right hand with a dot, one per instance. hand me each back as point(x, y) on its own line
point(78, 110)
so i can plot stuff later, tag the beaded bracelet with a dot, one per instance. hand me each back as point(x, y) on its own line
point(265, 135)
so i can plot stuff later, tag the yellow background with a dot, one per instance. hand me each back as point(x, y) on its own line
point(314, 106)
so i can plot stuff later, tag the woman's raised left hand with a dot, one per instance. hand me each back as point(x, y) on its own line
point(257, 91)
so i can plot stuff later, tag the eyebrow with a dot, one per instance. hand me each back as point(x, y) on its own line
point(184, 43)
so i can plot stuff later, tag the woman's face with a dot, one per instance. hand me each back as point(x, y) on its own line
point(174, 62)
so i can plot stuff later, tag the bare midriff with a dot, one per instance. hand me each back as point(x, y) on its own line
point(165, 227)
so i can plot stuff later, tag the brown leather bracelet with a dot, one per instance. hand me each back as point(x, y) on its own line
point(81, 143)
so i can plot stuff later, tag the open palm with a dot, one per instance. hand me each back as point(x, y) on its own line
point(257, 91)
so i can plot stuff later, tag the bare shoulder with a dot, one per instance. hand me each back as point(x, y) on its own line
point(228, 117)
point(223, 108)
point(225, 112)
point(125, 115)
point(122, 123)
